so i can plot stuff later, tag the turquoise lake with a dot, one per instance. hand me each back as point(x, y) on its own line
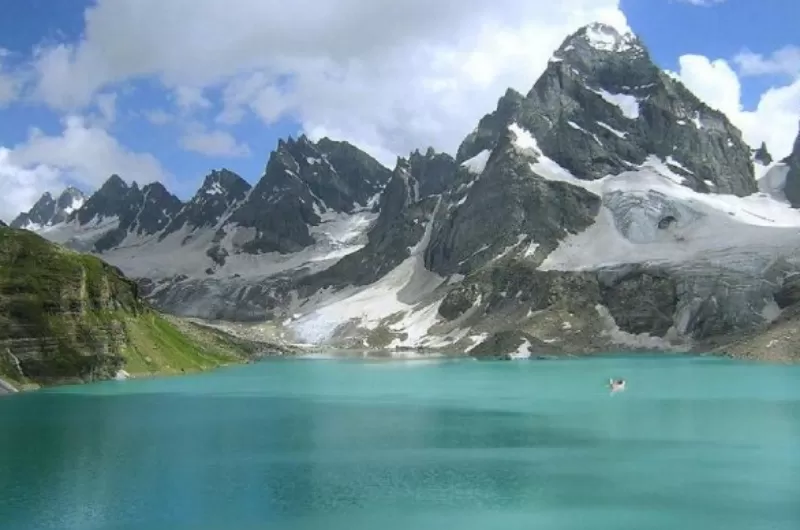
point(693, 443)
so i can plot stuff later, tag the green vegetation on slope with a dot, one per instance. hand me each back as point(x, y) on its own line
point(66, 316)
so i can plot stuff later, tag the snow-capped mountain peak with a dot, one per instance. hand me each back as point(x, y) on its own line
point(608, 196)
point(48, 211)
point(220, 192)
point(605, 37)
point(792, 181)
point(599, 40)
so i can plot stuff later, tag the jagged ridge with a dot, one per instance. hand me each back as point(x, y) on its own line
point(608, 175)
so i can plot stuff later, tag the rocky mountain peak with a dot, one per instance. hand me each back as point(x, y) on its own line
point(433, 171)
point(221, 190)
point(492, 126)
point(602, 37)
point(302, 182)
point(603, 107)
point(48, 211)
point(223, 182)
point(605, 58)
point(71, 199)
point(114, 183)
point(795, 154)
point(158, 207)
point(113, 199)
point(762, 155)
point(792, 185)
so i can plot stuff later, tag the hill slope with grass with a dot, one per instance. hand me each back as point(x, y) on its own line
point(71, 317)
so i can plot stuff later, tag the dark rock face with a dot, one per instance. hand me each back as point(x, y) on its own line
point(400, 225)
point(300, 183)
point(220, 191)
point(540, 290)
point(762, 155)
point(363, 175)
point(642, 302)
point(458, 301)
point(789, 292)
point(158, 208)
point(48, 211)
point(143, 211)
point(792, 187)
point(114, 198)
point(492, 126)
point(507, 202)
point(433, 171)
point(601, 109)
point(233, 299)
point(504, 344)
point(279, 209)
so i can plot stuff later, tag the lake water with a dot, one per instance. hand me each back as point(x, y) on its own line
point(693, 443)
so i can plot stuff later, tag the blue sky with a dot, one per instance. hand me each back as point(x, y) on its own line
point(153, 89)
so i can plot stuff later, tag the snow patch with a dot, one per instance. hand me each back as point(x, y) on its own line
point(672, 162)
point(627, 104)
point(524, 351)
point(510, 248)
point(612, 129)
point(398, 291)
point(215, 189)
point(415, 325)
point(772, 179)
point(477, 163)
point(476, 341)
point(523, 139)
point(717, 227)
point(531, 250)
point(579, 128)
point(77, 204)
point(604, 38)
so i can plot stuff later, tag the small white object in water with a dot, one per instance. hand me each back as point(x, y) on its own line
point(122, 375)
point(616, 385)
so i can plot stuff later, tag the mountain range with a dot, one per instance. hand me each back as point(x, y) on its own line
point(606, 209)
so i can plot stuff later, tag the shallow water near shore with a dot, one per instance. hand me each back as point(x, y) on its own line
point(418, 443)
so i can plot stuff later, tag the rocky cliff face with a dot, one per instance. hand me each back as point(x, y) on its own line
point(792, 183)
point(219, 193)
point(602, 107)
point(60, 310)
point(49, 211)
point(300, 185)
point(67, 316)
point(607, 208)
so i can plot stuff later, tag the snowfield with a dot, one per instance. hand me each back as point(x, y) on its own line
point(719, 229)
point(397, 292)
point(647, 216)
point(184, 251)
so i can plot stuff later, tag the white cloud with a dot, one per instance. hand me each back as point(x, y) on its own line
point(190, 98)
point(158, 117)
point(21, 187)
point(9, 82)
point(107, 103)
point(83, 153)
point(785, 61)
point(395, 75)
point(775, 118)
point(212, 143)
point(715, 82)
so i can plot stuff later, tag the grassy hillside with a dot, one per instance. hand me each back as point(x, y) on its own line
point(66, 316)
